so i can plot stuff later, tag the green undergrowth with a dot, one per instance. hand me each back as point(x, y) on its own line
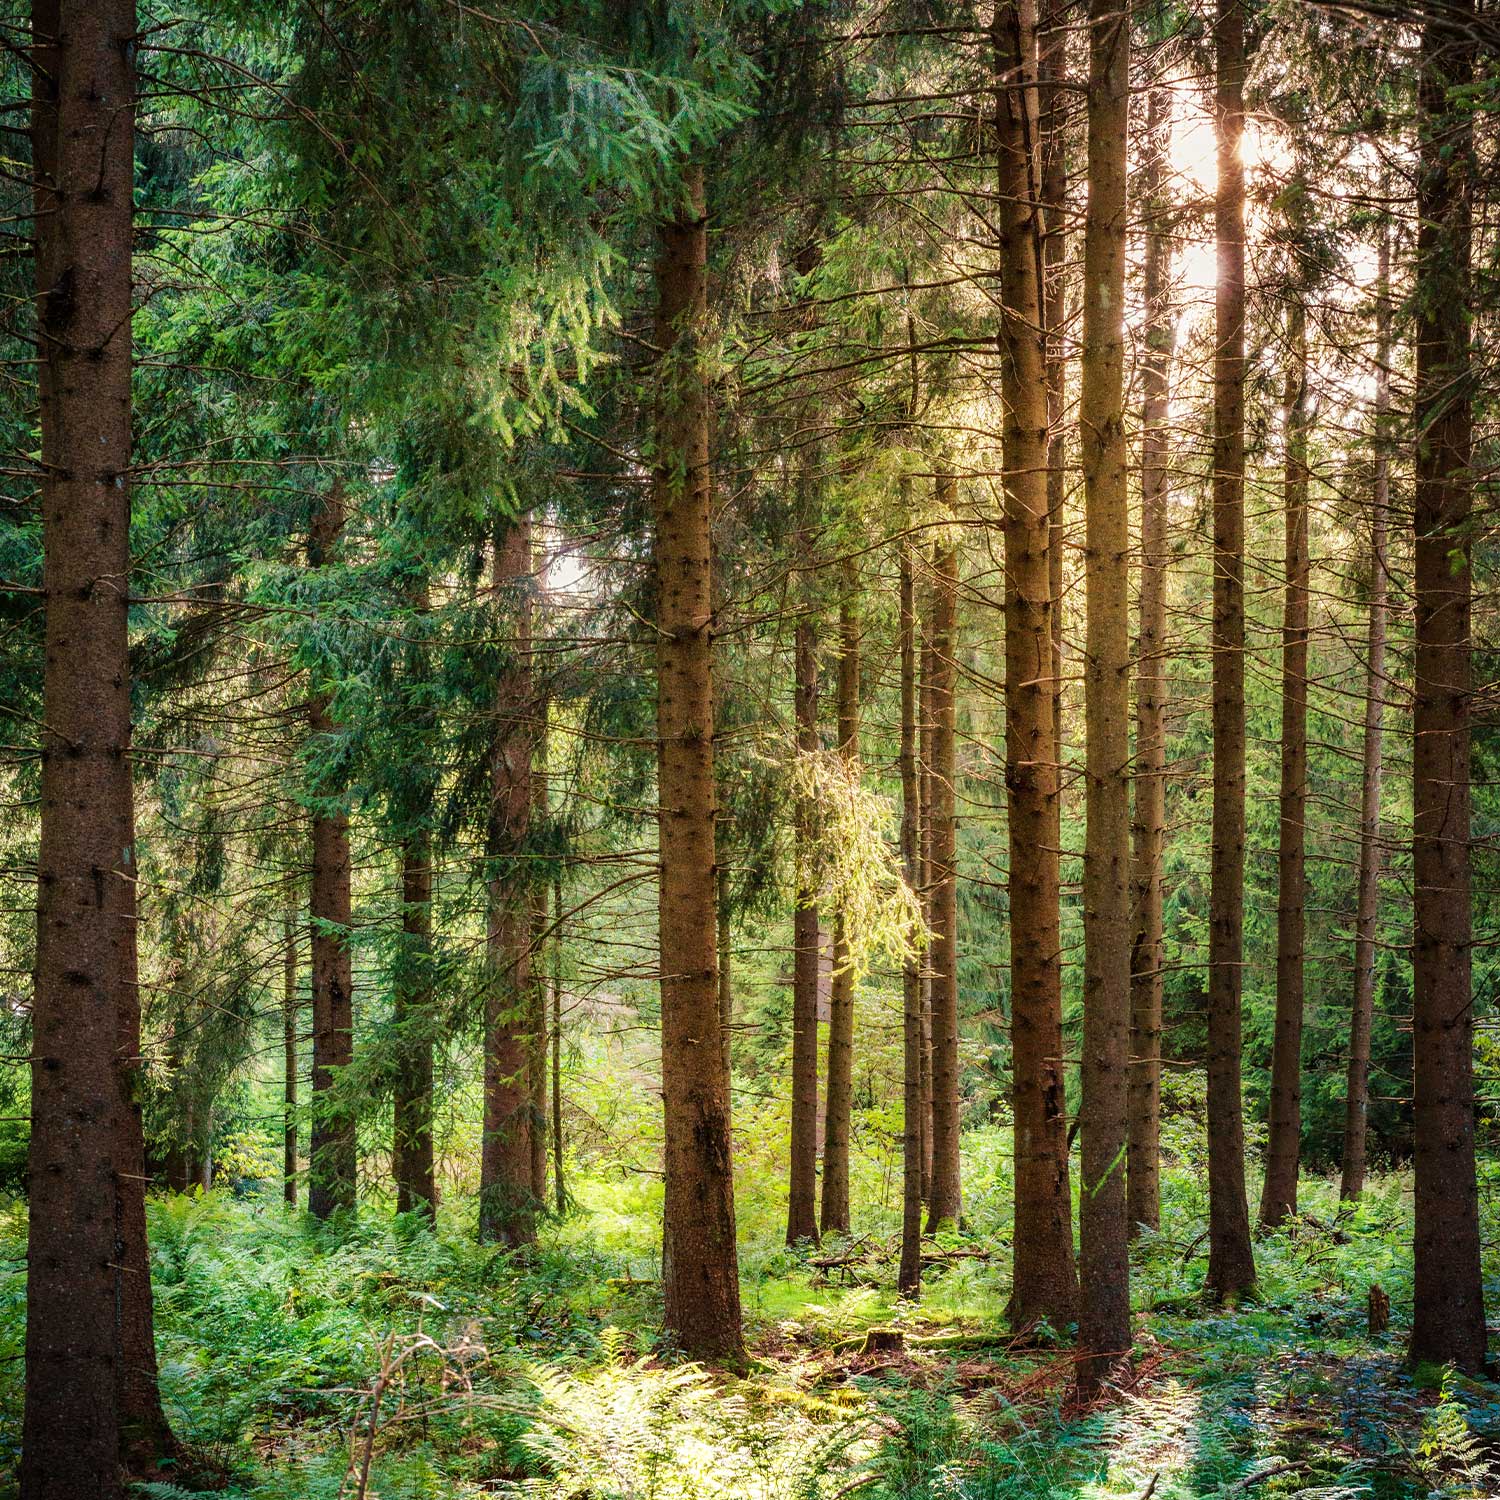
point(546, 1373)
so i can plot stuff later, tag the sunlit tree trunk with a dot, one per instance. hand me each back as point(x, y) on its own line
point(1231, 1265)
point(924, 853)
point(840, 1095)
point(946, 1204)
point(1044, 1281)
point(332, 1158)
point(909, 1277)
point(700, 1269)
point(1284, 1146)
point(1448, 1303)
point(1104, 1332)
point(1143, 1184)
point(507, 1202)
point(1367, 903)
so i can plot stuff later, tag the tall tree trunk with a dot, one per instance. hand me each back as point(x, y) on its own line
point(333, 1166)
point(1367, 906)
point(411, 1130)
point(802, 1216)
point(700, 1265)
point(839, 1102)
point(1044, 1281)
point(909, 1277)
point(559, 1187)
point(924, 861)
point(507, 1204)
point(290, 1065)
point(946, 1203)
point(537, 989)
point(1448, 1303)
point(1052, 99)
point(1284, 1146)
point(1103, 1226)
point(1231, 1264)
point(91, 1402)
point(1143, 1186)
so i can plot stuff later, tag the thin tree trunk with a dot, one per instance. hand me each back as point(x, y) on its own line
point(1367, 907)
point(1231, 1264)
point(1044, 1281)
point(411, 1126)
point(839, 1101)
point(924, 863)
point(1284, 1145)
point(537, 989)
point(700, 1267)
point(333, 1166)
point(909, 1277)
point(507, 1202)
point(1103, 1225)
point(802, 1217)
point(1448, 1303)
point(726, 969)
point(1143, 1187)
point(289, 1027)
point(558, 1186)
point(91, 1400)
point(946, 1203)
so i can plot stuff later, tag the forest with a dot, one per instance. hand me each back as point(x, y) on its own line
point(750, 749)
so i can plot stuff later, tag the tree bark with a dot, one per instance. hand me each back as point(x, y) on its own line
point(332, 1163)
point(1052, 100)
point(537, 989)
point(1231, 1264)
point(1044, 1282)
point(909, 1276)
point(559, 1187)
point(839, 1101)
point(1103, 1226)
point(946, 1203)
point(802, 1217)
point(289, 1027)
point(1367, 905)
point(507, 1203)
point(411, 1129)
point(924, 861)
point(1448, 1304)
point(700, 1267)
point(1143, 1185)
point(1284, 1145)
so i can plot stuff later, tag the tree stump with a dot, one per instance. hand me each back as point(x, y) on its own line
point(1379, 1310)
point(884, 1341)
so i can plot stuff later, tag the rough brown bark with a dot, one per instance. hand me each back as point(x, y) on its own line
point(1448, 1304)
point(290, 1065)
point(1143, 1183)
point(411, 1128)
point(1367, 903)
point(946, 1203)
point(1044, 1282)
point(802, 1217)
point(1284, 1145)
point(559, 1186)
point(700, 1266)
point(924, 864)
point(536, 1061)
point(332, 1164)
point(507, 1203)
point(1231, 1264)
point(909, 1276)
point(839, 1098)
point(1104, 1333)
point(1052, 101)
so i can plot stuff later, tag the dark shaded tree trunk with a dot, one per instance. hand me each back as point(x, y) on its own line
point(1104, 1332)
point(411, 1133)
point(1367, 903)
point(1284, 1145)
point(1231, 1264)
point(332, 1153)
point(924, 861)
point(91, 1405)
point(802, 1216)
point(559, 1187)
point(507, 1202)
point(946, 1203)
point(839, 1101)
point(1143, 1184)
point(1044, 1281)
point(700, 1265)
point(537, 990)
point(1448, 1302)
point(289, 1028)
point(909, 1276)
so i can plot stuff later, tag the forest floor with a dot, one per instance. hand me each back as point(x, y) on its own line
point(397, 1364)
